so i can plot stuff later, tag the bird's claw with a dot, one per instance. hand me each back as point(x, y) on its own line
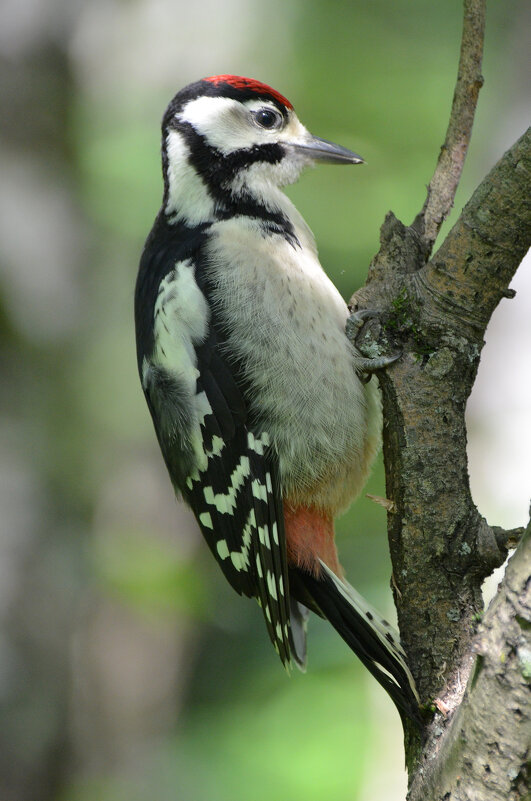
point(357, 320)
point(367, 365)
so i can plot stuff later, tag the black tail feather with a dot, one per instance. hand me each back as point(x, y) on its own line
point(371, 638)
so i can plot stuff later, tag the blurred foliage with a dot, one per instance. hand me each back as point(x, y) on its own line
point(221, 721)
point(146, 574)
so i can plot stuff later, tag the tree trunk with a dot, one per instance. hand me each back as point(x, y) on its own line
point(435, 312)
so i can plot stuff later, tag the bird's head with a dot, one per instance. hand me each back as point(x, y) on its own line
point(228, 136)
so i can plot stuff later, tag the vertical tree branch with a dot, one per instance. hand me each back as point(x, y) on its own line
point(445, 180)
point(437, 313)
point(441, 548)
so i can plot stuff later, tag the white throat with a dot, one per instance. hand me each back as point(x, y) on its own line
point(190, 201)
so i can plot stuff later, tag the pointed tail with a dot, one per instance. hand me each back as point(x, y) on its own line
point(372, 638)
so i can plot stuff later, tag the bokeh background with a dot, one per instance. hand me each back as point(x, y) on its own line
point(128, 668)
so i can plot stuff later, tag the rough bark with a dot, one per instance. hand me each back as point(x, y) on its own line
point(485, 752)
point(436, 312)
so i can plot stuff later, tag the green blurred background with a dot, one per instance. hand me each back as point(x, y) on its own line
point(128, 668)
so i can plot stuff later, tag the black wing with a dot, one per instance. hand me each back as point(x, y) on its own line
point(233, 491)
point(236, 498)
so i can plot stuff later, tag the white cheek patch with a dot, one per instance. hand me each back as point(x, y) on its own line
point(222, 122)
point(188, 197)
point(226, 124)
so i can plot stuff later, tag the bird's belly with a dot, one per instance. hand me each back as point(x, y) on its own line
point(285, 322)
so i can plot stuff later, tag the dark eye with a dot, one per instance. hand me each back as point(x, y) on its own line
point(268, 118)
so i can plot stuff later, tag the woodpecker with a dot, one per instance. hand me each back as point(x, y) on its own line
point(261, 405)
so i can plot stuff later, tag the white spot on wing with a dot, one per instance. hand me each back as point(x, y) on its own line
point(203, 408)
point(206, 520)
point(223, 549)
point(259, 491)
point(263, 535)
point(225, 503)
point(274, 530)
point(259, 567)
point(258, 444)
point(271, 586)
point(238, 560)
point(217, 446)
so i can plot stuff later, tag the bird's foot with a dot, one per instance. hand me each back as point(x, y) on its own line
point(370, 360)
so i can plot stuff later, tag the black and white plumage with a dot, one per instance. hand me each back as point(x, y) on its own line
point(265, 426)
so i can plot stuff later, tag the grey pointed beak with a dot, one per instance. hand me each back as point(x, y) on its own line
point(318, 149)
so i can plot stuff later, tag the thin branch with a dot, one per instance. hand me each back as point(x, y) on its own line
point(443, 185)
point(482, 251)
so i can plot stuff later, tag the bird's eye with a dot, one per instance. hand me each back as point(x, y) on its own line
point(268, 118)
